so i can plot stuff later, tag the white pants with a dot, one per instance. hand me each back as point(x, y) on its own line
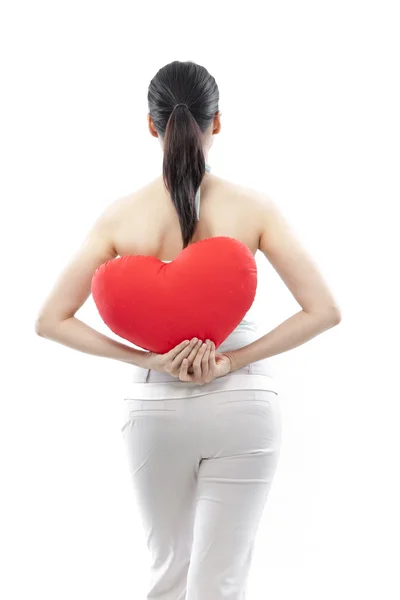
point(202, 467)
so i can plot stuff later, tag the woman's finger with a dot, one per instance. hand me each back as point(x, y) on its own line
point(183, 374)
point(176, 362)
point(194, 351)
point(213, 364)
point(205, 362)
point(175, 351)
point(197, 362)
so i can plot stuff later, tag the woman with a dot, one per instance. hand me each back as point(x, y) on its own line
point(202, 428)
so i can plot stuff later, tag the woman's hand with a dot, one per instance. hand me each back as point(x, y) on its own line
point(171, 361)
point(205, 365)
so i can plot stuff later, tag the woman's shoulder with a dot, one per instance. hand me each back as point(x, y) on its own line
point(246, 204)
point(215, 184)
point(249, 195)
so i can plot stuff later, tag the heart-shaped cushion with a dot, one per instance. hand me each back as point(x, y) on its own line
point(205, 293)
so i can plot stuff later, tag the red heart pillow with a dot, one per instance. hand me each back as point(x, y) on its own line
point(205, 292)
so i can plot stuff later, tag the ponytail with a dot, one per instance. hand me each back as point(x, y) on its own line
point(183, 166)
point(182, 125)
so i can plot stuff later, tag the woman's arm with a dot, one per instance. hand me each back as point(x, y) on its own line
point(56, 320)
point(302, 277)
point(77, 335)
point(295, 331)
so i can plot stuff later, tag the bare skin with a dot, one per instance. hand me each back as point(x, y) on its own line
point(145, 222)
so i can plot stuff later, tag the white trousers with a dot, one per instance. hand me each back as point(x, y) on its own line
point(202, 467)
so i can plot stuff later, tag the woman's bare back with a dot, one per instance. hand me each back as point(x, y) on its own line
point(147, 222)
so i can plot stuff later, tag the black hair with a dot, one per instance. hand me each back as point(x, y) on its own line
point(181, 129)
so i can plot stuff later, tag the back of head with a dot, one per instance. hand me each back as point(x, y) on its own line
point(183, 101)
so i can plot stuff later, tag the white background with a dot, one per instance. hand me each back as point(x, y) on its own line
point(309, 95)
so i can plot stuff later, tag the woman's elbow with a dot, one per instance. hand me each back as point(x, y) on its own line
point(39, 326)
point(43, 326)
point(328, 317)
point(333, 316)
point(336, 315)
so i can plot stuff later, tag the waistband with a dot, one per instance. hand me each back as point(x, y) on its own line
point(156, 385)
point(141, 375)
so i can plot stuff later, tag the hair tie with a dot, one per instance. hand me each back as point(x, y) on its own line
point(180, 104)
